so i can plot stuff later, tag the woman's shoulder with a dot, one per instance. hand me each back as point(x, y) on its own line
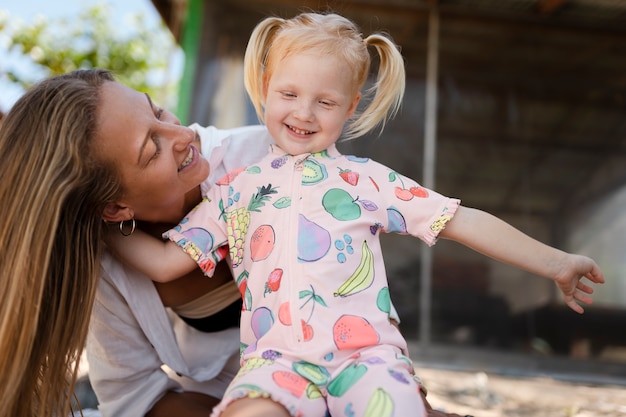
point(211, 137)
point(229, 149)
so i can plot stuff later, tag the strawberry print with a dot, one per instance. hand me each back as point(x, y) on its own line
point(273, 281)
point(349, 176)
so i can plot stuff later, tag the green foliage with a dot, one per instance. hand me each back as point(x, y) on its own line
point(138, 55)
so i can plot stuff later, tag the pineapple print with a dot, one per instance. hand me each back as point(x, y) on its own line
point(237, 222)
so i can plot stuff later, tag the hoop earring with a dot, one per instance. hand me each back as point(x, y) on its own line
point(132, 227)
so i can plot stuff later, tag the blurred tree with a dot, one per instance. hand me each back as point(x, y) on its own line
point(138, 55)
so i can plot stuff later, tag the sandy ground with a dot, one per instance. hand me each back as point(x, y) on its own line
point(485, 384)
point(487, 395)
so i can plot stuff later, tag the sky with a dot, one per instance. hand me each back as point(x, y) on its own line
point(28, 10)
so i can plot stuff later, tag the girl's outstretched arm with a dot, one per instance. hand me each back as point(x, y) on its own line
point(499, 240)
point(161, 261)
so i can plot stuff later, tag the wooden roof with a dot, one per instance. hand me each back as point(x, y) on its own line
point(532, 93)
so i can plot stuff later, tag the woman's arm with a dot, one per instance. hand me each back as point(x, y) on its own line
point(189, 404)
point(124, 367)
point(499, 240)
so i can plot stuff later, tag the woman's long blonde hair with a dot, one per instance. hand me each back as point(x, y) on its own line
point(52, 195)
point(274, 39)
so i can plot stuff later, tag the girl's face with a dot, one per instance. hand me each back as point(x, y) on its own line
point(157, 159)
point(308, 100)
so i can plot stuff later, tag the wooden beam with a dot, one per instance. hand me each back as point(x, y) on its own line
point(548, 7)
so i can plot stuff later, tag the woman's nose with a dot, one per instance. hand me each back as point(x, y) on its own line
point(182, 136)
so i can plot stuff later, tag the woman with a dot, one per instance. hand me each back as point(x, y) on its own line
point(65, 149)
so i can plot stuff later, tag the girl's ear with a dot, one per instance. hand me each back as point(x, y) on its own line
point(354, 105)
point(117, 212)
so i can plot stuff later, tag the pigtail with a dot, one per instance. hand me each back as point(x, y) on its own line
point(255, 61)
point(386, 93)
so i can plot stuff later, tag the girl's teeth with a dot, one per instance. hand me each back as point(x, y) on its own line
point(300, 132)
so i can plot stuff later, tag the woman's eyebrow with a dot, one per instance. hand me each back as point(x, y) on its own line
point(147, 138)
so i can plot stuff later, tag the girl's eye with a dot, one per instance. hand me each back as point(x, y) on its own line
point(287, 94)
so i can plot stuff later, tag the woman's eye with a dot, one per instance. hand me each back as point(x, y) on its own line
point(157, 151)
point(159, 113)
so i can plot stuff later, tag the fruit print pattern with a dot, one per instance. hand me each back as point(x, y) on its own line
point(238, 221)
point(273, 281)
point(362, 277)
point(196, 242)
point(283, 218)
point(300, 382)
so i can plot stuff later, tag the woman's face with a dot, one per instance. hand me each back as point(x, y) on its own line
point(158, 160)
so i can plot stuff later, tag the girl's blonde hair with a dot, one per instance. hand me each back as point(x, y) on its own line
point(52, 196)
point(274, 39)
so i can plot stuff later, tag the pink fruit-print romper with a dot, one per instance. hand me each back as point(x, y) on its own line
point(303, 234)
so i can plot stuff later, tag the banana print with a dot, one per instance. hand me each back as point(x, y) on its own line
point(379, 405)
point(362, 277)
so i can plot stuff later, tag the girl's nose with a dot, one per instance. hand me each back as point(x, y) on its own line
point(304, 112)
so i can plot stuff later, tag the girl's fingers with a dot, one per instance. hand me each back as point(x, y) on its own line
point(584, 287)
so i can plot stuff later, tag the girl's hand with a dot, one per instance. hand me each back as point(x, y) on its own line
point(570, 280)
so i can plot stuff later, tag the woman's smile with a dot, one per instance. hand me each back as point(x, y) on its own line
point(191, 155)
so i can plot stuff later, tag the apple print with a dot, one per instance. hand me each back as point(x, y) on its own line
point(340, 204)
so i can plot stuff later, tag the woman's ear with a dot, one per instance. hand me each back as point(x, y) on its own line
point(117, 212)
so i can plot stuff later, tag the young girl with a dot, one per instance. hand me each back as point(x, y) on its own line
point(303, 228)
